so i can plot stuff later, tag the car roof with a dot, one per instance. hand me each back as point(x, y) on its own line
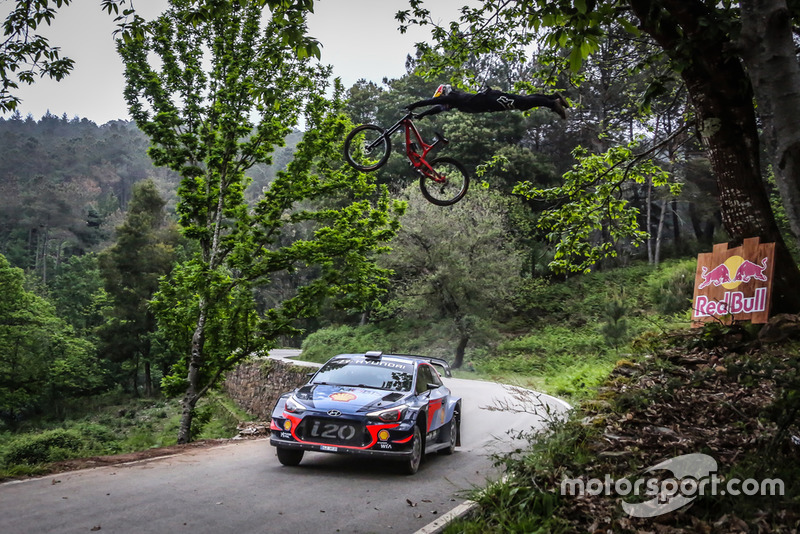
point(411, 358)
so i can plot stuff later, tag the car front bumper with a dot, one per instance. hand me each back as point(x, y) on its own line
point(394, 453)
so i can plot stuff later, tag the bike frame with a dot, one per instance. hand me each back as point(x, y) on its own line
point(418, 161)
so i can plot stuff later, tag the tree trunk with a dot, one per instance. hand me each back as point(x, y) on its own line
point(722, 97)
point(659, 233)
point(187, 413)
point(676, 228)
point(148, 380)
point(192, 395)
point(44, 253)
point(768, 50)
point(460, 349)
point(649, 217)
point(135, 377)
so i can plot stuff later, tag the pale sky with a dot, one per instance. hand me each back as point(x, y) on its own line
point(359, 38)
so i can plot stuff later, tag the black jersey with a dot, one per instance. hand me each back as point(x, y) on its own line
point(483, 102)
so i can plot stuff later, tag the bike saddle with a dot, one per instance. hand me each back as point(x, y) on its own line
point(440, 136)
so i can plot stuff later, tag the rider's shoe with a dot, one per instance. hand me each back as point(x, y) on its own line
point(559, 105)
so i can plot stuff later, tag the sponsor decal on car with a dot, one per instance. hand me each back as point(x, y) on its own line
point(381, 363)
point(342, 396)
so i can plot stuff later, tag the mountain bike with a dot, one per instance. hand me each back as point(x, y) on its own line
point(443, 181)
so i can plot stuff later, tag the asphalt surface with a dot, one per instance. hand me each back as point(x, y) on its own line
point(241, 487)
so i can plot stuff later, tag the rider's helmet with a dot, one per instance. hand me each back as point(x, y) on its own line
point(442, 90)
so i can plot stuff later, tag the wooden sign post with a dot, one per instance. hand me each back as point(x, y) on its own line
point(734, 284)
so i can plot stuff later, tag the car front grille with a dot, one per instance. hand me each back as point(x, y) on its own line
point(333, 431)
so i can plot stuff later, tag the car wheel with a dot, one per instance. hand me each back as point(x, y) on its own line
point(455, 428)
point(290, 457)
point(411, 465)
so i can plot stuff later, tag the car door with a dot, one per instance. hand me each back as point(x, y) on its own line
point(429, 384)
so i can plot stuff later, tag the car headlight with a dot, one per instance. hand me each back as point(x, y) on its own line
point(389, 415)
point(292, 406)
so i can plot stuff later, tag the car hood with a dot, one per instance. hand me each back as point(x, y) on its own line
point(347, 399)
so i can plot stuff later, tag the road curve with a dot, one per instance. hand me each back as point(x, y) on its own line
point(241, 487)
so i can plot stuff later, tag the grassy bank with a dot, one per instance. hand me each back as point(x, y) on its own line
point(110, 424)
point(717, 392)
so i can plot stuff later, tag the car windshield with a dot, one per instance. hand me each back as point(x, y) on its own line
point(378, 374)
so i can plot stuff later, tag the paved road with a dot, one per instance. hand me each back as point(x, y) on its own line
point(241, 487)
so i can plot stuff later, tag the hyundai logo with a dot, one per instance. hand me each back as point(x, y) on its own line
point(334, 413)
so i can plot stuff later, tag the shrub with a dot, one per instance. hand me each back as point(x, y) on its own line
point(671, 286)
point(46, 447)
point(409, 337)
point(582, 299)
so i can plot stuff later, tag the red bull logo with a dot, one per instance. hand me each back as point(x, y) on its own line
point(734, 302)
point(734, 284)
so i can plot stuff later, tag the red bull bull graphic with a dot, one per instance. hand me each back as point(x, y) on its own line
point(734, 284)
point(745, 270)
point(748, 270)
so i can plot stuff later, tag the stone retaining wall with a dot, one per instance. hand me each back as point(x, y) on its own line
point(255, 386)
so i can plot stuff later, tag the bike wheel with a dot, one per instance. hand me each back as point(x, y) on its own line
point(452, 188)
point(367, 148)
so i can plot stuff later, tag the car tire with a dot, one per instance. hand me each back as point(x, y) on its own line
point(290, 457)
point(455, 428)
point(411, 465)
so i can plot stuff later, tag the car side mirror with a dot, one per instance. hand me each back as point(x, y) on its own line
point(432, 386)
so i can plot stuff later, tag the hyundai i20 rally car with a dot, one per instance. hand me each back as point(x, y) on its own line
point(373, 404)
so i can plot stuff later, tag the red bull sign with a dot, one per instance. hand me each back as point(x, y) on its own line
point(734, 284)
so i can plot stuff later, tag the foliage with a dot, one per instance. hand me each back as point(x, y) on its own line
point(58, 444)
point(671, 286)
point(591, 201)
point(24, 56)
point(792, 241)
point(615, 326)
point(581, 299)
point(457, 263)
point(665, 405)
point(64, 185)
point(561, 361)
point(145, 250)
point(40, 358)
point(560, 346)
point(391, 336)
point(526, 500)
point(78, 295)
point(213, 124)
point(697, 42)
point(109, 424)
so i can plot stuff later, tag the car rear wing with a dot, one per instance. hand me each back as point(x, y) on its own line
point(439, 362)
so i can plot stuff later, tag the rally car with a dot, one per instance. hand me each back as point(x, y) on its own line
point(372, 404)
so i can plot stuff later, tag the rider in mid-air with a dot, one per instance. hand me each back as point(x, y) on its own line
point(447, 98)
